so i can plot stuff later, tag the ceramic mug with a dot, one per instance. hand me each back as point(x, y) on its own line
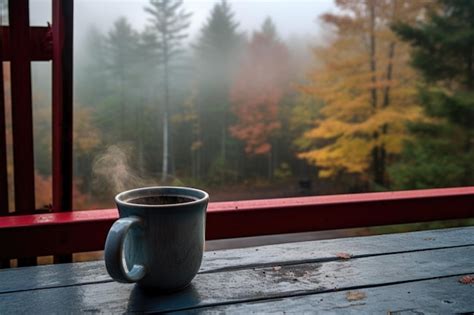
point(157, 243)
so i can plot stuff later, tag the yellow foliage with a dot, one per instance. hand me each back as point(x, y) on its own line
point(367, 87)
point(327, 129)
point(86, 136)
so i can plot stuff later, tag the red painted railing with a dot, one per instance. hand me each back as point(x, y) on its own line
point(63, 233)
point(3, 140)
point(78, 231)
point(21, 44)
point(22, 113)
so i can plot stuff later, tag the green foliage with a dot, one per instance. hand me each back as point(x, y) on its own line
point(170, 22)
point(302, 117)
point(128, 84)
point(220, 174)
point(443, 44)
point(122, 47)
point(431, 164)
point(282, 172)
point(217, 55)
point(91, 81)
point(269, 29)
point(219, 38)
point(442, 151)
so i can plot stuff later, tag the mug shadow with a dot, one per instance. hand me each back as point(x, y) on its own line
point(146, 300)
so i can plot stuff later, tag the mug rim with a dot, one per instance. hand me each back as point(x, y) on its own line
point(172, 205)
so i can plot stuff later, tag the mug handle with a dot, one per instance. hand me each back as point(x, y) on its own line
point(113, 251)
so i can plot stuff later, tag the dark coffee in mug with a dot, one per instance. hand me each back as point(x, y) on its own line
point(158, 241)
point(161, 200)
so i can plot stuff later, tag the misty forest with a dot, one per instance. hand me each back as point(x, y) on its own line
point(384, 100)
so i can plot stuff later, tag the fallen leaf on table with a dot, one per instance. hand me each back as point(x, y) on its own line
point(355, 296)
point(344, 255)
point(466, 280)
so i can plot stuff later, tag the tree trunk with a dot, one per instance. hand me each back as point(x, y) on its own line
point(470, 70)
point(164, 170)
point(197, 138)
point(224, 140)
point(139, 132)
point(270, 165)
point(382, 155)
point(122, 107)
point(373, 62)
point(388, 78)
point(376, 152)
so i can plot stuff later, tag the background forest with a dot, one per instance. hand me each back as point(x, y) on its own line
point(383, 101)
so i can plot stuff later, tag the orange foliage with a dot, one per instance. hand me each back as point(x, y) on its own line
point(86, 137)
point(257, 91)
point(44, 194)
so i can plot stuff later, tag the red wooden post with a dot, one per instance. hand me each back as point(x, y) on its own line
point(3, 151)
point(22, 119)
point(22, 122)
point(3, 144)
point(62, 30)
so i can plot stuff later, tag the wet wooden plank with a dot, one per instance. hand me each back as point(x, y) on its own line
point(281, 254)
point(437, 296)
point(326, 250)
point(246, 285)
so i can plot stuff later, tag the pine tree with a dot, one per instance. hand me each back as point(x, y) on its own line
point(121, 44)
point(91, 76)
point(442, 151)
point(269, 29)
point(146, 113)
point(217, 53)
point(170, 22)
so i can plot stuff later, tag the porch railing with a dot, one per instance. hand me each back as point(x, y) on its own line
point(21, 44)
point(80, 231)
point(25, 233)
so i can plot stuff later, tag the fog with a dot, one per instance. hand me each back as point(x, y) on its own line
point(187, 117)
point(245, 99)
point(291, 17)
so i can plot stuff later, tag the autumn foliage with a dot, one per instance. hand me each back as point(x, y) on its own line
point(367, 88)
point(257, 92)
point(223, 112)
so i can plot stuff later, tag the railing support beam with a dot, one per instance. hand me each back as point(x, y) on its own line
point(62, 31)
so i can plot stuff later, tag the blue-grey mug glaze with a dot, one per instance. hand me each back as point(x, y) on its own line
point(157, 246)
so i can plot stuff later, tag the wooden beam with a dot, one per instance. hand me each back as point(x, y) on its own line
point(3, 141)
point(78, 231)
point(22, 119)
point(39, 43)
point(62, 30)
point(62, 104)
point(4, 263)
point(22, 113)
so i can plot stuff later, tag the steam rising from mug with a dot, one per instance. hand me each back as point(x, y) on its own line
point(112, 170)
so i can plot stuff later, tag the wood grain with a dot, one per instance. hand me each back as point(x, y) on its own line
point(282, 254)
point(250, 285)
point(437, 296)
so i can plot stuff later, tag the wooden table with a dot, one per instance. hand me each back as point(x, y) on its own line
point(398, 273)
